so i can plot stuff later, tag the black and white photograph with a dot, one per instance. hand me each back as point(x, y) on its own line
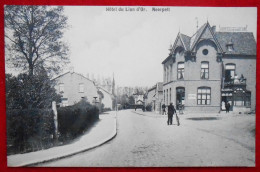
point(130, 86)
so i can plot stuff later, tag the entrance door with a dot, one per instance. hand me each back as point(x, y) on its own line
point(226, 98)
point(180, 97)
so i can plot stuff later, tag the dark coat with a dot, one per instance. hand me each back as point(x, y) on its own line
point(171, 110)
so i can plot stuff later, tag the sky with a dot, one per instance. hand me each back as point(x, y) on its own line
point(132, 44)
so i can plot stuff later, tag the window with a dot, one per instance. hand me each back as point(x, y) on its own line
point(204, 96)
point(170, 95)
point(64, 102)
point(164, 96)
point(81, 88)
point(205, 52)
point(204, 74)
point(167, 96)
point(230, 46)
point(230, 71)
point(170, 75)
point(61, 87)
point(167, 79)
point(164, 74)
point(180, 70)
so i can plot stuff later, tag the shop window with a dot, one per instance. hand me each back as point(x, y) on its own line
point(204, 96)
point(204, 74)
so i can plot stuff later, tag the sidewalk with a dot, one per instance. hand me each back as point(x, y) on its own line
point(104, 130)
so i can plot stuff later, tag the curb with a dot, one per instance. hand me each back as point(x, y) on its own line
point(109, 138)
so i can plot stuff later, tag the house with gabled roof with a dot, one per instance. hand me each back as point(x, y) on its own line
point(154, 97)
point(73, 87)
point(106, 98)
point(209, 69)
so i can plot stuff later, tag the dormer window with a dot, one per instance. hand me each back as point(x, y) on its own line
point(230, 46)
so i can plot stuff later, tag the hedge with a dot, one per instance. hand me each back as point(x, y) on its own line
point(29, 129)
point(75, 120)
point(33, 129)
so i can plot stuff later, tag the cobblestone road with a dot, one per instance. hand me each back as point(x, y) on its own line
point(148, 141)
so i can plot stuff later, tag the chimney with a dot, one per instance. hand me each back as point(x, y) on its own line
point(213, 28)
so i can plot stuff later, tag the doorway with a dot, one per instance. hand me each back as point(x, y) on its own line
point(180, 97)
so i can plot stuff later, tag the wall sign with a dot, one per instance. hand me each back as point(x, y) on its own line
point(192, 96)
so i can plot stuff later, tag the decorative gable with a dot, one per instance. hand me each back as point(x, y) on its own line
point(178, 43)
point(206, 34)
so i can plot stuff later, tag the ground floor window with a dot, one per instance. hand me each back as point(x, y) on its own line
point(242, 98)
point(204, 96)
point(180, 97)
point(164, 96)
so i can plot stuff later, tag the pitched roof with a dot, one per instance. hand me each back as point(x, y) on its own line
point(151, 88)
point(100, 88)
point(168, 58)
point(196, 36)
point(243, 42)
point(186, 41)
point(72, 73)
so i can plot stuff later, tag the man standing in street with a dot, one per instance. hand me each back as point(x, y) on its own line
point(163, 109)
point(227, 107)
point(171, 111)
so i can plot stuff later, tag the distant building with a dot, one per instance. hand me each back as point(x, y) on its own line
point(205, 71)
point(106, 92)
point(139, 99)
point(154, 96)
point(105, 98)
point(73, 87)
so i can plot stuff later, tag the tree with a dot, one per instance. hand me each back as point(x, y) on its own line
point(131, 100)
point(33, 37)
point(26, 92)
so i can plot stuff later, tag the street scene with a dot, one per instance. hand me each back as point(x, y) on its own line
point(194, 143)
point(104, 86)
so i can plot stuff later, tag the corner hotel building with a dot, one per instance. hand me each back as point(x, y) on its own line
point(209, 69)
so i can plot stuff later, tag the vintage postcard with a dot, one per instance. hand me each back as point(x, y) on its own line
point(130, 86)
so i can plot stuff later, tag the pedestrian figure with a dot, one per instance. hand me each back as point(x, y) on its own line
point(171, 111)
point(135, 108)
point(227, 107)
point(163, 109)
